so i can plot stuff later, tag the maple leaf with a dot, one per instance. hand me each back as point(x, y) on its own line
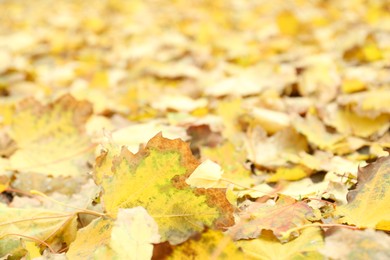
point(368, 204)
point(268, 247)
point(51, 138)
point(154, 178)
point(286, 214)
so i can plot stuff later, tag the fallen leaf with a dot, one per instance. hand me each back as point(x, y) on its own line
point(179, 103)
point(53, 227)
point(287, 23)
point(51, 138)
point(368, 204)
point(291, 174)
point(316, 133)
point(209, 245)
point(206, 175)
point(348, 123)
point(272, 121)
point(276, 150)
point(352, 85)
point(133, 234)
point(371, 103)
point(286, 214)
point(90, 239)
point(179, 210)
point(32, 249)
point(232, 160)
point(356, 244)
point(268, 247)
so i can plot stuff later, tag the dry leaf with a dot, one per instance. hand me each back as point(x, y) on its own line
point(51, 139)
point(368, 204)
point(268, 247)
point(356, 244)
point(179, 210)
point(286, 214)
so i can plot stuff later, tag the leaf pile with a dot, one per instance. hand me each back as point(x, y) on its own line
point(222, 129)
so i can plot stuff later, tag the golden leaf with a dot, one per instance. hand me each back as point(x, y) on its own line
point(210, 245)
point(51, 138)
point(90, 239)
point(154, 178)
point(268, 247)
point(368, 205)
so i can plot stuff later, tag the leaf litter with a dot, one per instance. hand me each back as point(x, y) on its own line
point(156, 129)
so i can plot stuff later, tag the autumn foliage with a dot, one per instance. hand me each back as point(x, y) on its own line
point(203, 130)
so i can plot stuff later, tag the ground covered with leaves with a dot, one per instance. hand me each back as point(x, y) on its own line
point(194, 129)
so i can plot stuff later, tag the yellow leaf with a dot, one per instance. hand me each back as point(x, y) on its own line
point(32, 249)
point(368, 204)
point(95, 24)
point(211, 245)
point(371, 51)
point(288, 24)
point(130, 236)
point(268, 247)
point(100, 80)
point(276, 150)
point(206, 175)
point(290, 174)
point(374, 100)
point(349, 123)
point(6, 113)
point(352, 85)
point(134, 234)
point(320, 75)
point(90, 239)
point(271, 121)
point(229, 111)
point(154, 178)
point(4, 180)
point(51, 138)
point(179, 103)
point(232, 160)
point(316, 133)
point(53, 227)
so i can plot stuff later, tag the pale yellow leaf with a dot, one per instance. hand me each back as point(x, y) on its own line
point(133, 234)
point(206, 175)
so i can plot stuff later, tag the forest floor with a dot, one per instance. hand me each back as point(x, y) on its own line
point(194, 129)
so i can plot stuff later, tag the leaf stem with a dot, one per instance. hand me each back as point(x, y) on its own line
point(32, 238)
point(86, 211)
